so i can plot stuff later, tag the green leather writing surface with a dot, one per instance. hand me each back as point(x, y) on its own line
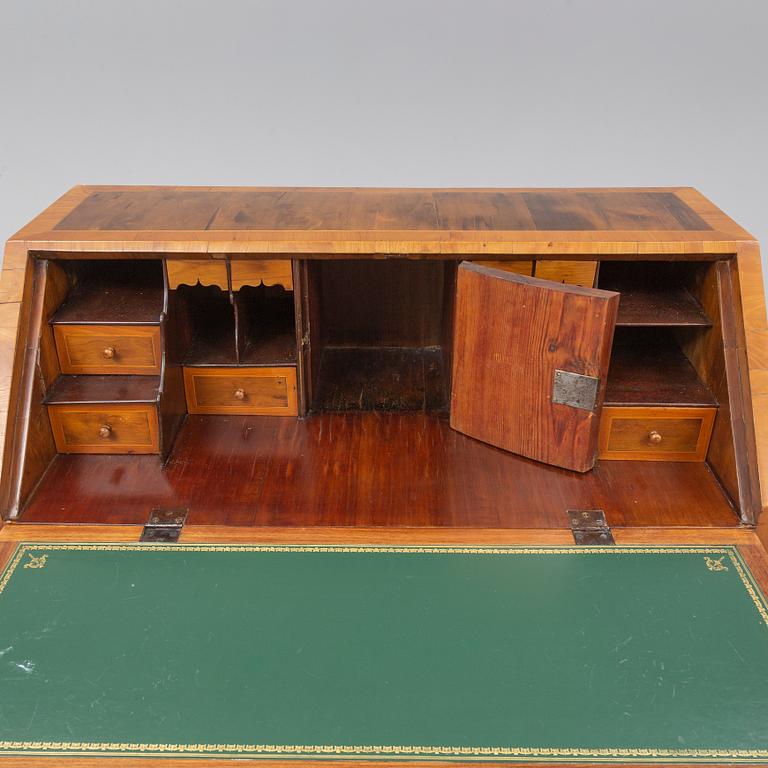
point(556, 653)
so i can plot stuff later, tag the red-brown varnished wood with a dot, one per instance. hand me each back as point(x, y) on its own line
point(369, 468)
point(511, 334)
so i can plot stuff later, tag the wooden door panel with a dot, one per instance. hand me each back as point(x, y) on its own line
point(511, 334)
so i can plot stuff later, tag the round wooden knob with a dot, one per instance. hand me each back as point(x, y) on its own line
point(109, 352)
point(654, 437)
point(239, 394)
point(105, 431)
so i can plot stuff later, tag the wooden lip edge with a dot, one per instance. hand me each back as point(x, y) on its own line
point(19, 531)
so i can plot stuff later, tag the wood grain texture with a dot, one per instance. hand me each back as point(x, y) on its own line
point(395, 303)
point(103, 389)
point(383, 209)
point(511, 333)
point(739, 393)
point(115, 428)
point(650, 535)
point(752, 293)
point(117, 349)
point(29, 444)
point(104, 304)
point(282, 220)
point(648, 374)
point(703, 347)
point(518, 267)
point(654, 294)
point(13, 279)
point(572, 272)
point(381, 379)
point(366, 469)
point(261, 272)
point(655, 434)
point(241, 391)
point(194, 271)
point(494, 224)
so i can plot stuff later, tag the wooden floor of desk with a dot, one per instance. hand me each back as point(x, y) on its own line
point(365, 469)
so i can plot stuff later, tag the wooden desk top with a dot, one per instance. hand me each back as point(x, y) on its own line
point(365, 221)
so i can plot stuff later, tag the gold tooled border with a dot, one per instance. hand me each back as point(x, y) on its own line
point(387, 752)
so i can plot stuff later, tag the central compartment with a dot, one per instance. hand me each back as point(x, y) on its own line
point(380, 334)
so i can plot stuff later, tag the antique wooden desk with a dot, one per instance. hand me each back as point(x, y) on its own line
point(354, 338)
point(384, 366)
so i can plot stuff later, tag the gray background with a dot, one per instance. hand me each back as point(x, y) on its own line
point(393, 92)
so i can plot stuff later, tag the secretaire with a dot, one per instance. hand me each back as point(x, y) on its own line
point(484, 358)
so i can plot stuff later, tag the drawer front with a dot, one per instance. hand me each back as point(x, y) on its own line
point(127, 349)
point(257, 271)
point(99, 428)
point(257, 391)
point(194, 271)
point(572, 272)
point(655, 434)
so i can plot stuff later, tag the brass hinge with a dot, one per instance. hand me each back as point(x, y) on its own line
point(164, 525)
point(589, 526)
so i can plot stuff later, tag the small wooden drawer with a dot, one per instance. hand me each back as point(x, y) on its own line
point(257, 391)
point(194, 271)
point(258, 271)
point(125, 349)
point(655, 434)
point(99, 428)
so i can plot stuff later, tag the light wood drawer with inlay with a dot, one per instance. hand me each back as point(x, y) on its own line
point(655, 434)
point(254, 272)
point(194, 271)
point(126, 349)
point(256, 391)
point(99, 428)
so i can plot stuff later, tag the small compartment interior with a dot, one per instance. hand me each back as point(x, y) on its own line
point(656, 293)
point(112, 292)
point(266, 325)
point(667, 312)
point(649, 368)
point(379, 334)
point(209, 322)
point(382, 337)
point(254, 326)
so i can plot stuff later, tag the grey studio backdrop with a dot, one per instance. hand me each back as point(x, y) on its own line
point(385, 93)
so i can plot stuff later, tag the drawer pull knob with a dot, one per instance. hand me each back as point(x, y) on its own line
point(109, 353)
point(239, 394)
point(654, 437)
point(105, 431)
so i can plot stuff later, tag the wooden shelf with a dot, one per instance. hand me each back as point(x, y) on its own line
point(659, 307)
point(208, 351)
point(103, 389)
point(654, 375)
point(271, 350)
point(112, 305)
